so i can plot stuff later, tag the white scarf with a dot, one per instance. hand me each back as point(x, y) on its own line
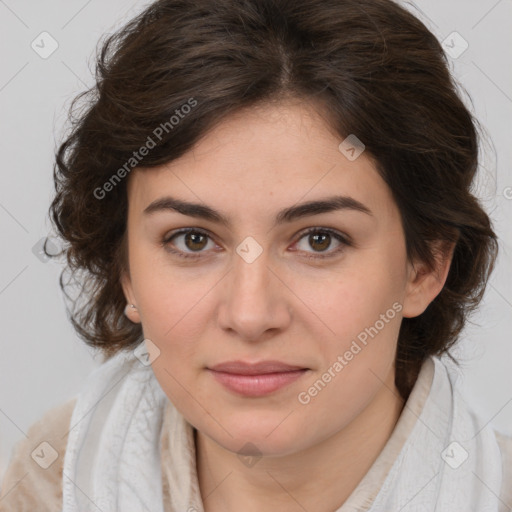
point(451, 461)
point(112, 461)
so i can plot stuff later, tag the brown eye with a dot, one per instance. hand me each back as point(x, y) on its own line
point(186, 242)
point(195, 241)
point(321, 240)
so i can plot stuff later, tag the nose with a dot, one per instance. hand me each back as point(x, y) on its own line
point(255, 301)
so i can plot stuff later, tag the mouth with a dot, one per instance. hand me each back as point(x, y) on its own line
point(256, 379)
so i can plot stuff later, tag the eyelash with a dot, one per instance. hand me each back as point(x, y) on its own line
point(344, 241)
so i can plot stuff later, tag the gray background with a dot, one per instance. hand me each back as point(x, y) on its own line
point(43, 363)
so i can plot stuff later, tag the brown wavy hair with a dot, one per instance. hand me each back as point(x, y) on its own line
point(378, 71)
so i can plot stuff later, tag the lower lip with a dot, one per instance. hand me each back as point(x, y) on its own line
point(257, 385)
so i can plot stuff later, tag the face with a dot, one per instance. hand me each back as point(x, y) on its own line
point(254, 276)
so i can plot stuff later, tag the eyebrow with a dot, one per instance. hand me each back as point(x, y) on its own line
point(201, 211)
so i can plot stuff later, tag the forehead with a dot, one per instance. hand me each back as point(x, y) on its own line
point(262, 158)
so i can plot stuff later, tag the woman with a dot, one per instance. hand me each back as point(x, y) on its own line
point(268, 207)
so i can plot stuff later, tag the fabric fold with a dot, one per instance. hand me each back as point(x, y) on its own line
point(451, 461)
point(112, 461)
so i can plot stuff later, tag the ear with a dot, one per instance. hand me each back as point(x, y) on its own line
point(423, 284)
point(126, 284)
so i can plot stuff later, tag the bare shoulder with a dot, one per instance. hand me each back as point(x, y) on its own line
point(33, 480)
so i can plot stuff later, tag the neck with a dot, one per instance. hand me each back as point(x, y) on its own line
point(320, 478)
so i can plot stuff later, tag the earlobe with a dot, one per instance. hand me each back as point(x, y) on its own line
point(425, 284)
point(130, 311)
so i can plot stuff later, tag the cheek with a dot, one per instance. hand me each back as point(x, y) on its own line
point(361, 307)
point(170, 298)
point(361, 297)
point(334, 404)
point(175, 323)
point(357, 358)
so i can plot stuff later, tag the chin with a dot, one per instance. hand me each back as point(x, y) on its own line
point(266, 435)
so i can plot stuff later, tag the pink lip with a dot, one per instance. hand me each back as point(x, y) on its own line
point(258, 379)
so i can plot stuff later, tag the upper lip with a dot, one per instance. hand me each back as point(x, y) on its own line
point(243, 368)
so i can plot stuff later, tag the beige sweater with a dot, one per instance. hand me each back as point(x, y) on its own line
point(28, 487)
